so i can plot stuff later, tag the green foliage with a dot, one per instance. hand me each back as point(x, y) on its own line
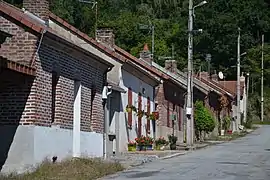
point(226, 123)
point(204, 121)
point(172, 139)
point(218, 19)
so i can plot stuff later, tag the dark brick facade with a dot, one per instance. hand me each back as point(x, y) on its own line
point(36, 93)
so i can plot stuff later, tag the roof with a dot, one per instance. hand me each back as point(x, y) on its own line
point(18, 15)
point(232, 86)
point(118, 53)
point(217, 87)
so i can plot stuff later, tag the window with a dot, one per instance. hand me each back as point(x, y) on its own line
point(54, 84)
point(168, 114)
point(130, 104)
point(148, 111)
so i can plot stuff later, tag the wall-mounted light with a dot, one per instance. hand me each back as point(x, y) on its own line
point(143, 90)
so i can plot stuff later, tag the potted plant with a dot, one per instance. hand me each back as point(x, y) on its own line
point(172, 141)
point(149, 143)
point(140, 143)
point(140, 113)
point(131, 146)
point(128, 108)
point(160, 142)
point(156, 115)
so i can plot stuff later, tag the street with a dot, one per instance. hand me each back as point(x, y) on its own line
point(247, 158)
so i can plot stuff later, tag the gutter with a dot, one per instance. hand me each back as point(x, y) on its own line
point(106, 103)
point(39, 44)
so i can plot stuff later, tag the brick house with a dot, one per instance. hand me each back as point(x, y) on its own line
point(170, 100)
point(136, 79)
point(50, 91)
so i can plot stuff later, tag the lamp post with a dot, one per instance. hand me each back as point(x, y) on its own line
point(189, 107)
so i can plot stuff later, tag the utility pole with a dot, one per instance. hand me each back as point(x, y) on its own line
point(95, 4)
point(238, 120)
point(246, 110)
point(190, 57)
point(262, 82)
point(153, 40)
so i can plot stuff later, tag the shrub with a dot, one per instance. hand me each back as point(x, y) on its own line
point(203, 119)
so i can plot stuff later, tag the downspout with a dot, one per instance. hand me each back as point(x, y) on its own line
point(105, 113)
point(39, 44)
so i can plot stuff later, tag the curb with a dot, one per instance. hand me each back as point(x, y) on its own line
point(173, 155)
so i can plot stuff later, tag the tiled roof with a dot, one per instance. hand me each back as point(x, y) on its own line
point(119, 53)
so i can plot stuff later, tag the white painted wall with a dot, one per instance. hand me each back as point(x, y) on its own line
point(136, 84)
point(33, 144)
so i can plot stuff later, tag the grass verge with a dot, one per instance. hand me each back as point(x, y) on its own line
point(75, 169)
point(261, 123)
point(228, 137)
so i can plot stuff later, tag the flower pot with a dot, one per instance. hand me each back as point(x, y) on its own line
point(157, 147)
point(156, 114)
point(131, 148)
point(222, 132)
point(141, 148)
point(173, 146)
point(128, 110)
point(149, 147)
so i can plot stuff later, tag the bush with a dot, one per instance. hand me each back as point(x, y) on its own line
point(204, 121)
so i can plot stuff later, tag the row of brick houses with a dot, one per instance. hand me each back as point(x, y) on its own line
point(64, 94)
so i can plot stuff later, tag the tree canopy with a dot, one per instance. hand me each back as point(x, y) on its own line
point(218, 19)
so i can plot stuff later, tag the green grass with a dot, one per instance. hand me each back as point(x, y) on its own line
point(228, 137)
point(74, 169)
point(261, 123)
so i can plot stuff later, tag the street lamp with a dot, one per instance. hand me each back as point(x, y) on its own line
point(189, 107)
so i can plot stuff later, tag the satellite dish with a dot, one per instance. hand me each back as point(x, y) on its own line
point(220, 75)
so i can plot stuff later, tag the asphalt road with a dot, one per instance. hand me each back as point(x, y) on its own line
point(247, 158)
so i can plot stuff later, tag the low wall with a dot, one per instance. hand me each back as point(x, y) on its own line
point(165, 131)
point(23, 147)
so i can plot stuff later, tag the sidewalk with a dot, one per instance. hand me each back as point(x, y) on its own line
point(131, 159)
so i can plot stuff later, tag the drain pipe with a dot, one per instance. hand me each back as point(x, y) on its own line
point(39, 44)
point(105, 93)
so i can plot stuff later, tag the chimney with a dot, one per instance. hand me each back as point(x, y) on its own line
point(171, 65)
point(106, 37)
point(145, 54)
point(39, 8)
point(214, 76)
point(204, 75)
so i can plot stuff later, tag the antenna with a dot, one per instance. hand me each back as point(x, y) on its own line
point(220, 75)
point(95, 4)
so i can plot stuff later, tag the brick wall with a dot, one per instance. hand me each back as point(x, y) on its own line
point(69, 68)
point(15, 95)
point(70, 65)
point(168, 94)
point(21, 46)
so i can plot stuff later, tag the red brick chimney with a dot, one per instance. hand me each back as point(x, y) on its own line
point(171, 65)
point(106, 37)
point(145, 54)
point(39, 8)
